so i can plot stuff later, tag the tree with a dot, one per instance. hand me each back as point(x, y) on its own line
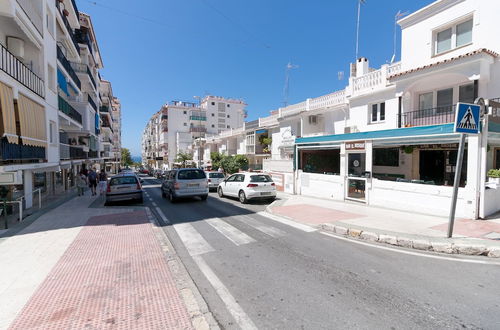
point(265, 141)
point(126, 158)
point(216, 158)
point(183, 158)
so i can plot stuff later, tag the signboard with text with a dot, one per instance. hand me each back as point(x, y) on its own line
point(355, 145)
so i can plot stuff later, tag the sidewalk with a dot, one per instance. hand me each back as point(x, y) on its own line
point(81, 267)
point(479, 237)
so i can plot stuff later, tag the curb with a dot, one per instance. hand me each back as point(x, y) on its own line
point(449, 246)
point(200, 315)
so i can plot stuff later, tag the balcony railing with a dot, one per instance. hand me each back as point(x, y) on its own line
point(83, 38)
point(327, 101)
point(12, 151)
point(103, 108)
point(200, 129)
point(91, 102)
point(199, 118)
point(67, 66)
point(91, 78)
point(68, 110)
point(77, 153)
point(92, 154)
point(434, 116)
point(107, 125)
point(71, 32)
point(17, 70)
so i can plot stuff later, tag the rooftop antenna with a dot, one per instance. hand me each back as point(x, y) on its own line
point(289, 67)
point(357, 27)
point(340, 75)
point(398, 15)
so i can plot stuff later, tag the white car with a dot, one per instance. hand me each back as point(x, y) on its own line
point(248, 185)
point(214, 179)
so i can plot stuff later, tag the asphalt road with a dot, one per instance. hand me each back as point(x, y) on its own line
point(256, 272)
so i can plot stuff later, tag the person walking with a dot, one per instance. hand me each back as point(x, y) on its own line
point(103, 182)
point(81, 183)
point(92, 177)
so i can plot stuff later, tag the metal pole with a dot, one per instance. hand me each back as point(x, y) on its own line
point(39, 198)
point(20, 210)
point(458, 170)
point(357, 31)
point(5, 214)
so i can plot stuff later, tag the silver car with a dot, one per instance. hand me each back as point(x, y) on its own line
point(185, 182)
point(214, 178)
point(124, 187)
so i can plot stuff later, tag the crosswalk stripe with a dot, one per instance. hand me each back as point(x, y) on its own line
point(268, 230)
point(194, 242)
point(231, 233)
point(290, 223)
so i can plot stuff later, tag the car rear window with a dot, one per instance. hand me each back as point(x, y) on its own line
point(191, 175)
point(216, 175)
point(123, 180)
point(260, 178)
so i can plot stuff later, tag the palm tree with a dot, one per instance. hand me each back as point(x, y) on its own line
point(183, 158)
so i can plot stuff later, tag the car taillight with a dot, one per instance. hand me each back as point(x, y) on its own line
point(177, 186)
point(109, 188)
point(251, 185)
point(273, 184)
point(209, 180)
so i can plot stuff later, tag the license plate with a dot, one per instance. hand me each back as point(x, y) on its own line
point(193, 185)
point(265, 193)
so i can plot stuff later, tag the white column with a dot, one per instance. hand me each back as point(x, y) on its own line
point(368, 168)
point(473, 173)
point(28, 188)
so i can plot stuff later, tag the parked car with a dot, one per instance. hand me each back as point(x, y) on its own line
point(214, 178)
point(247, 186)
point(185, 183)
point(122, 187)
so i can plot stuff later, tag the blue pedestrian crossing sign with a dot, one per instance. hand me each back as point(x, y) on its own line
point(467, 118)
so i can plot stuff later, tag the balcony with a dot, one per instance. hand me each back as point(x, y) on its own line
point(17, 70)
point(198, 129)
point(434, 116)
point(375, 79)
point(12, 151)
point(67, 66)
point(82, 37)
point(71, 32)
point(68, 110)
point(198, 118)
point(34, 13)
point(107, 125)
point(84, 68)
point(103, 108)
point(91, 78)
point(91, 102)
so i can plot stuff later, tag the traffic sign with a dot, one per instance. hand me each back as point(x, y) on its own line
point(467, 118)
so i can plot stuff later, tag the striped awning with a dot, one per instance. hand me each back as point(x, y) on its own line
point(8, 127)
point(32, 120)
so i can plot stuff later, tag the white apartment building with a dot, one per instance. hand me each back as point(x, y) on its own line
point(387, 138)
point(49, 97)
point(178, 124)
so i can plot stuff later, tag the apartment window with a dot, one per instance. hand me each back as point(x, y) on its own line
point(425, 101)
point(228, 116)
point(455, 36)
point(51, 79)
point(228, 105)
point(377, 112)
point(466, 93)
point(228, 126)
point(222, 126)
point(444, 100)
point(386, 157)
point(213, 115)
point(184, 112)
point(52, 132)
point(222, 115)
point(185, 124)
point(213, 103)
point(213, 126)
point(222, 120)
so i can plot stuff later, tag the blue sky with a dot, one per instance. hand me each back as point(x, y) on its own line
point(156, 51)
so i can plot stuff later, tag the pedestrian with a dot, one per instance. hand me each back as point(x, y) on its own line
point(103, 182)
point(92, 178)
point(81, 183)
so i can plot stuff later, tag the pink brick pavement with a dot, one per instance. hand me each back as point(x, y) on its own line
point(313, 214)
point(471, 228)
point(113, 276)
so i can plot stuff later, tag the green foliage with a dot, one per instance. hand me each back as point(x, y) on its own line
point(494, 173)
point(216, 158)
point(126, 158)
point(230, 164)
point(266, 142)
point(184, 158)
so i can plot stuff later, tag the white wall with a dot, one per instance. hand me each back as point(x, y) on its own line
point(321, 185)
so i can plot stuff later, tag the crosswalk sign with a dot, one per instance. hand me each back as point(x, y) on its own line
point(467, 118)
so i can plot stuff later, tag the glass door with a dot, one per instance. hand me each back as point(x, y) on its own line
point(356, 180)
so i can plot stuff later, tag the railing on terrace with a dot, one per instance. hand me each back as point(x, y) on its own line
point(394, 68)
point(328, 101)
point(374, 79)
point(77, 152)
point(67, 109)
point(183, 104)
point(293, 109)
point(71, 32)
point(91, 102)
point(17, 70)
point(33, 12)
point(64, 151)
point(12, 151)
point(269, 121)
point(68, 67)
point(434, 116)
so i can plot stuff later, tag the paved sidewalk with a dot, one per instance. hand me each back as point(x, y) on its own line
point(81, 267)
point(329, 214)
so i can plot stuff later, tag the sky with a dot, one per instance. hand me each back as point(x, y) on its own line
point(156, 51)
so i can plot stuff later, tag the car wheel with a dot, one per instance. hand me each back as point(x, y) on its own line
point(171, 197)
point(163, 195)
point(242, 197)
point(220, 193)
point(204, 197)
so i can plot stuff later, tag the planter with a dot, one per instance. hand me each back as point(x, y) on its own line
point(494, 180)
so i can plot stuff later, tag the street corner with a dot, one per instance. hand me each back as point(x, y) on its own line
point(313, 214)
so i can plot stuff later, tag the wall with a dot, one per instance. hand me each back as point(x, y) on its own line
point(491, 199)
point(321, 185)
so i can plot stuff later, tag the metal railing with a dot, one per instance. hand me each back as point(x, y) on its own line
point(425, 117)
point(20, 201)
point(16, 152)
point(19, 71)
point(103, 108)
point(70, 30)
point(67, 66)
point(68, 110)
point(91, 102)
point(197, 129)
point(91, 78)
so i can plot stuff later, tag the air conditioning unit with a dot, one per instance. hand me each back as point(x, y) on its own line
point(16, 47)
point(313, 120)
point(351, 129)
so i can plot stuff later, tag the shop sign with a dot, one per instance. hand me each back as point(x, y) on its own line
point(439, 146)
point(355, 145)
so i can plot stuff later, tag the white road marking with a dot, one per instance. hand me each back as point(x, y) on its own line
point(194, 242)
point(290, 223)
point(231, 233)
point(232, 306)
point(484, 262)
point(268, 230)
point(162, 215)
point(152, 186)
point(154, 204)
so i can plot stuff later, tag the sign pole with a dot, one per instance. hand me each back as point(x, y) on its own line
point(456, 184)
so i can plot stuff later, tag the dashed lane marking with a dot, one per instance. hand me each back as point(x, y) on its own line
point(231, 233)
point(290, 223)
point(154, 204)
point(162, 215)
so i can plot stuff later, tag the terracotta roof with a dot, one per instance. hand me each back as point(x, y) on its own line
point(475, 52)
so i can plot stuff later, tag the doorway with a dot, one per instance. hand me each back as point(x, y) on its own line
point(356, 180)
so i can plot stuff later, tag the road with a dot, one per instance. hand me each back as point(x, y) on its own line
point(257, 272)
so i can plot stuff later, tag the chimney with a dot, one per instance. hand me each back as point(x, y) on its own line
point(362, 67)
